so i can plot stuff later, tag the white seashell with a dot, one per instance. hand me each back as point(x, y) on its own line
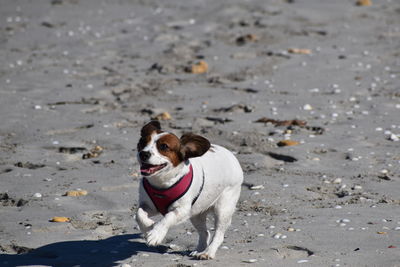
point(277, 235)
point(302, 261)
point(250, 260)
point(337, 181)
point(256, 187)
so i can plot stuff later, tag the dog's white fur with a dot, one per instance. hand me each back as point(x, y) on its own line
point(223, 177)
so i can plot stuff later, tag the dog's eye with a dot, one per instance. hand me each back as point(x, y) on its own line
point(164, 147)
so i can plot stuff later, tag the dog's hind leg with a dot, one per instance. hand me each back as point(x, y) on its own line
point(200, 223)
point(223, 211)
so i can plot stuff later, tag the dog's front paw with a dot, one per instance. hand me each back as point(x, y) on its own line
point(144, 222)
point(204, 256)
point(155, 236)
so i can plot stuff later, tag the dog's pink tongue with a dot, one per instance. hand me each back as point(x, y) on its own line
point(149, 170)
point(146, 170)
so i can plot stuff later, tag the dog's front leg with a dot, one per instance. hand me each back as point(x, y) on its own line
point(143, 220)
point(156, 235)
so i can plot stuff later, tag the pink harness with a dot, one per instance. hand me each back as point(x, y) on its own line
point(163, 198)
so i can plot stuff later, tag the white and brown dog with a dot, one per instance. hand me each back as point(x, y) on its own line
point(186, 178)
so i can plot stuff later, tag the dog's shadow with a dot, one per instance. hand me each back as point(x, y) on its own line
point(106, 252)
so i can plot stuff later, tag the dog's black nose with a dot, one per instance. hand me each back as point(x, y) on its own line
point(144, 155)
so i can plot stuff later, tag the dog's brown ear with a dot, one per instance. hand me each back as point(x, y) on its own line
point(193, 145)
point(150, 127)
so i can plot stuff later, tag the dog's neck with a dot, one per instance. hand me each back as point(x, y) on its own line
point(170, 177)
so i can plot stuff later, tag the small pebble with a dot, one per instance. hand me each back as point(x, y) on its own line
point(302, 261)
point(277, 236)
point(256, 187)
point(199, 68)
point(394, 137)
point(126, 265)
point(287, 142)
point(364, 3)
point(60, 219)
point(299, 51)
point(76, 193)
point(307, 107)
point(291, 229)
point(250, 261)
point(338, 207)
point(38, 195)
point(337, 181)
point(164, 116)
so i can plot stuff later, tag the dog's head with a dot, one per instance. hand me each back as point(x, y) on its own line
point(159, 152)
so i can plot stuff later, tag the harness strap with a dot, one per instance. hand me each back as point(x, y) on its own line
point(201, 189)
point(163, 198)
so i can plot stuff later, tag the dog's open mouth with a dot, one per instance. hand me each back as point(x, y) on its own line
point(148, 169)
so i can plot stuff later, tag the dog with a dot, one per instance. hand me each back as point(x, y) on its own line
point(186, 178)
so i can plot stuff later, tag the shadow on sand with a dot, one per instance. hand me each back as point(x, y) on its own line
point(106, 252)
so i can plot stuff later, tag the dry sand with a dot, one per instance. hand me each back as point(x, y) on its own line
point(78, 74)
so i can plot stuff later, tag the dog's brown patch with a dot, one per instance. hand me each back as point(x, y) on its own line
point(194, 145)
point(169, 146)
point(146, 133)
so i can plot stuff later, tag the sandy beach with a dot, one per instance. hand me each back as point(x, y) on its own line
point(306, 93)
